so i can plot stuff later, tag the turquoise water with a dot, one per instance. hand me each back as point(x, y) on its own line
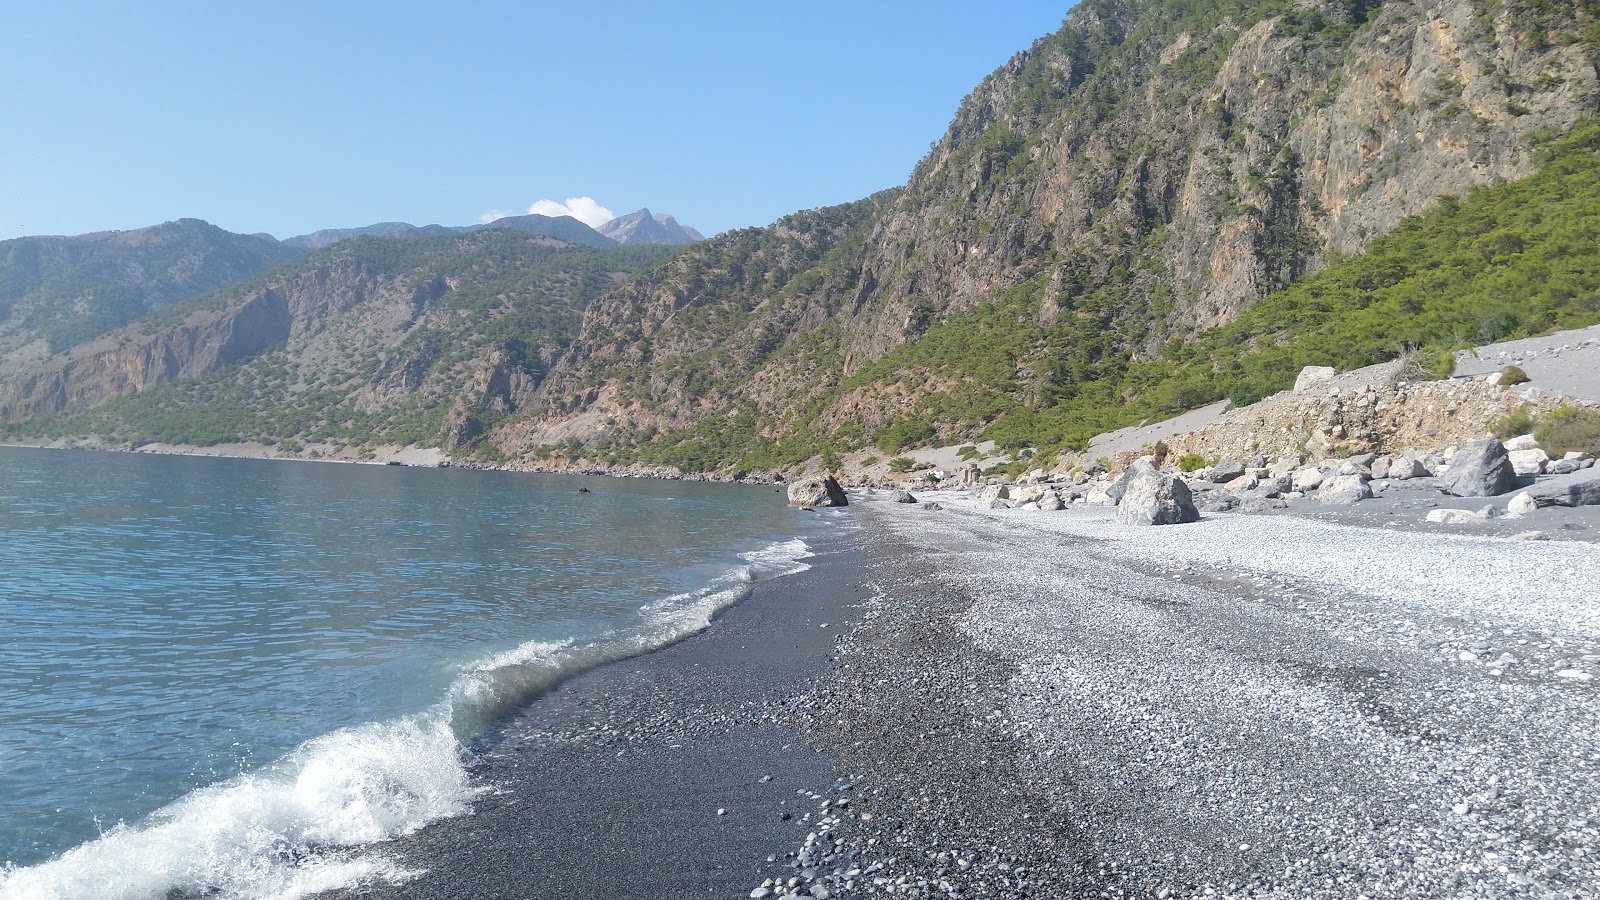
point(215, 674)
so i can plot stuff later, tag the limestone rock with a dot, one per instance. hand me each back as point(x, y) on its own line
point(1522, 442)
point(903, 497)
point(818, 490)
point(1345, 489)
point(1528, 462)
point(1313, 378)
point(1307, 478)
point(1480, 469)
point(1521, 505)
point(1224, 472)
point(1455, 517)
point(990, 493)
point(1151, 497)
point(1405, 468)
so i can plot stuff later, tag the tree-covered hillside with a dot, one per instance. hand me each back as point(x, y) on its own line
point(389, 338)
point(1505, 261)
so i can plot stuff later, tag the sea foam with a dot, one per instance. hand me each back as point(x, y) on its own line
point(296, 827)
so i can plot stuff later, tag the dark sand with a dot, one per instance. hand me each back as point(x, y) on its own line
point(610, 785)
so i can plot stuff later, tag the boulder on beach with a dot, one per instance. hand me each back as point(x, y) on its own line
point(990, 493)
point(1406, 468)
point(1578, 489)
point(1345, 489)
point(1151, 497)
point(903, 497)
point(818, 490)
point(1480, 469)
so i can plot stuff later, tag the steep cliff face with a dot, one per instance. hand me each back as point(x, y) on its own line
point(427, 340)
point(56, 292)
point(1149, 171)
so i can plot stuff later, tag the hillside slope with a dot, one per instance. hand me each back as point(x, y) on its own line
point(369, 339)
point(1149, 171)
point(59, 291)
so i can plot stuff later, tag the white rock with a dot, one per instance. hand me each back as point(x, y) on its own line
point(1455, 517)
point(1528, 462)
point(1314, 378)
point(1308, 478)
point(1521, 505)
point(1522, 442)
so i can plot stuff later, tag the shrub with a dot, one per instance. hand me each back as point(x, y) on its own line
point(1513, 375)
point(869, 461)
point(1569, 429)
point(1518, 421)
point(1191, 462)
point(902, 464)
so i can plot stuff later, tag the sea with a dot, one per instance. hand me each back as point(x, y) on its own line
point(224, 677)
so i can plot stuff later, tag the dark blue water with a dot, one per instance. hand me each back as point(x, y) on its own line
point(215, 673)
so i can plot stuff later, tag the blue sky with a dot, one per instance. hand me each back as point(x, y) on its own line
point(289, 117)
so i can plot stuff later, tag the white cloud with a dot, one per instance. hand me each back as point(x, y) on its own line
point(584, 209)
point(493, 214)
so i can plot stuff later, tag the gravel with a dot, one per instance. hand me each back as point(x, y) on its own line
point(1050, 705)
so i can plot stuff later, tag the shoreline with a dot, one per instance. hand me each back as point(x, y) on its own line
point(672, 773)
point(1017, 707)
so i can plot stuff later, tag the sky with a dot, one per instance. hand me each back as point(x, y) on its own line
point(289, 117)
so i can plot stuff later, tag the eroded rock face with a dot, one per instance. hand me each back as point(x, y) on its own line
point(1480, 469)
point(818, 490)
point(1151, 497)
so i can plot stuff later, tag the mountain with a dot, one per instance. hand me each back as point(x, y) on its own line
point(1163, 203)
point(369, 339)
point(642, 227)
point(1148, 172)
point(563, 228)
point(59, 291)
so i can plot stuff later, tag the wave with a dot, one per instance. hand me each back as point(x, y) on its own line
point(295, 827)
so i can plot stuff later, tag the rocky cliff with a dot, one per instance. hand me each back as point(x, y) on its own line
point(56, 292)
point(1148, 171)
point(360, 340)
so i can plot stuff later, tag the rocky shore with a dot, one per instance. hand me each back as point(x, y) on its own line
point(1059, 706)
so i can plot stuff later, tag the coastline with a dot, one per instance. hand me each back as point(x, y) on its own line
point(1010, 706)
point(1054, 706)
point(674, 773)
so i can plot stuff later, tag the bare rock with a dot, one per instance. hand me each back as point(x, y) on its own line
point(818, 490)
point(1151, 497)
point(1480, 469)
point(1314, 378)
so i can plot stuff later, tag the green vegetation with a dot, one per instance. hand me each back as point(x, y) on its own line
point(1569, 429)
point(494, 297)
point(1501, 262)
point(903, 464)
point(1191, 462)
point(1517, 422)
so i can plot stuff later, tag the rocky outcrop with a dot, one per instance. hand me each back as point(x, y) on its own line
point(820, 490)
point(1134, 177)
point(1152, 497)
point(1480, 469)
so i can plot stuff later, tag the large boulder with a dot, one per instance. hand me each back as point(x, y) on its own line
point(1527, 462)
point(1578, 489)
point(818, 490)
point(1224, 472)
point(1345, 489)
point(1150, 497)
point(1314, 378)
point(990, 493)
point(903, 497)
point(1480, 469)
point(1406, 468)
point(1307, 478)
